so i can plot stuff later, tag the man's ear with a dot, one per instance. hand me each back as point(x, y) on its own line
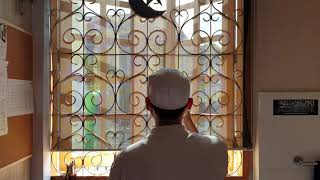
point(148, 103)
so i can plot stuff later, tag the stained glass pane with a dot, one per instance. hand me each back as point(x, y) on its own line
point(102, 52)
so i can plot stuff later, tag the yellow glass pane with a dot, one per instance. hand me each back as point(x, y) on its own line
point(98, 163)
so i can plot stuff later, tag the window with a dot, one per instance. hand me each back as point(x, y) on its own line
point(101, 56)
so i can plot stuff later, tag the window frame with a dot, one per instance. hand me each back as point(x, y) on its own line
point(201, 39)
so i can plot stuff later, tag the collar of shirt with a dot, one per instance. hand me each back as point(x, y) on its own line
point(170, 131)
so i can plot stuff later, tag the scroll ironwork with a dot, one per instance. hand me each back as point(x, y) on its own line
point(102, 54)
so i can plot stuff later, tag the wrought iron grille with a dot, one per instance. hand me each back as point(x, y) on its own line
point(102, 53)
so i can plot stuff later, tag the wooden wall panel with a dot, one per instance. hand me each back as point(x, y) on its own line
point(19, 54)
point(17, 144)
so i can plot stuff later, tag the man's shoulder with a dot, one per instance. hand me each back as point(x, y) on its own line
point(207, 141)
point(134, 148)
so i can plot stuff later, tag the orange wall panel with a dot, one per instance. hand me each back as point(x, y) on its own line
point(19, 54)
point(17, 144)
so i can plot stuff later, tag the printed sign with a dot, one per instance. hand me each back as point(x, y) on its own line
point(3, 101)
point(19, 97)
point(295, 107)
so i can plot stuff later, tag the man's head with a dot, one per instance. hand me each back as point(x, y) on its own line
point(168, 96)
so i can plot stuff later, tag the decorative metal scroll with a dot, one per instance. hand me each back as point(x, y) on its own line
point(3, 32)
point(99, 163)
point(103, 52)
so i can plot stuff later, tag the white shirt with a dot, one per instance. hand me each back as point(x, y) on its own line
point(172, 153)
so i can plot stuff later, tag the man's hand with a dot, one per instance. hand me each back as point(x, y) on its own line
point(187, 122)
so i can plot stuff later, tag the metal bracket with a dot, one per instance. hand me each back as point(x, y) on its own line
point(300, 162)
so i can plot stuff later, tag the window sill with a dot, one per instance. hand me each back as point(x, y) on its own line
point(81, 178)
point(106, 178)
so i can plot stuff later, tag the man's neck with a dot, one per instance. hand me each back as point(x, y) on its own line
point(168, 122)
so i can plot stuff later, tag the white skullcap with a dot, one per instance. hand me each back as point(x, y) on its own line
point(168, 89)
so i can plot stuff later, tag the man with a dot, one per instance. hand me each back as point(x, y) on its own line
point(173, 150)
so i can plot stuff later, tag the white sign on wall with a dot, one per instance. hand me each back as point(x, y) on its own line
point(19, 97)
point(3, 79)
point(3, 102)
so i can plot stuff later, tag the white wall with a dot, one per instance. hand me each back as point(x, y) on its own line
point(19, 170)
point(9, 12)
point(281, 138)
point(287, 45)
point(286, 58)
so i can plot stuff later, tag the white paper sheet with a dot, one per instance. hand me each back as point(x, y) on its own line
point(3, 79)
point(3, 41)
point(19, 97)
point(3, 102)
